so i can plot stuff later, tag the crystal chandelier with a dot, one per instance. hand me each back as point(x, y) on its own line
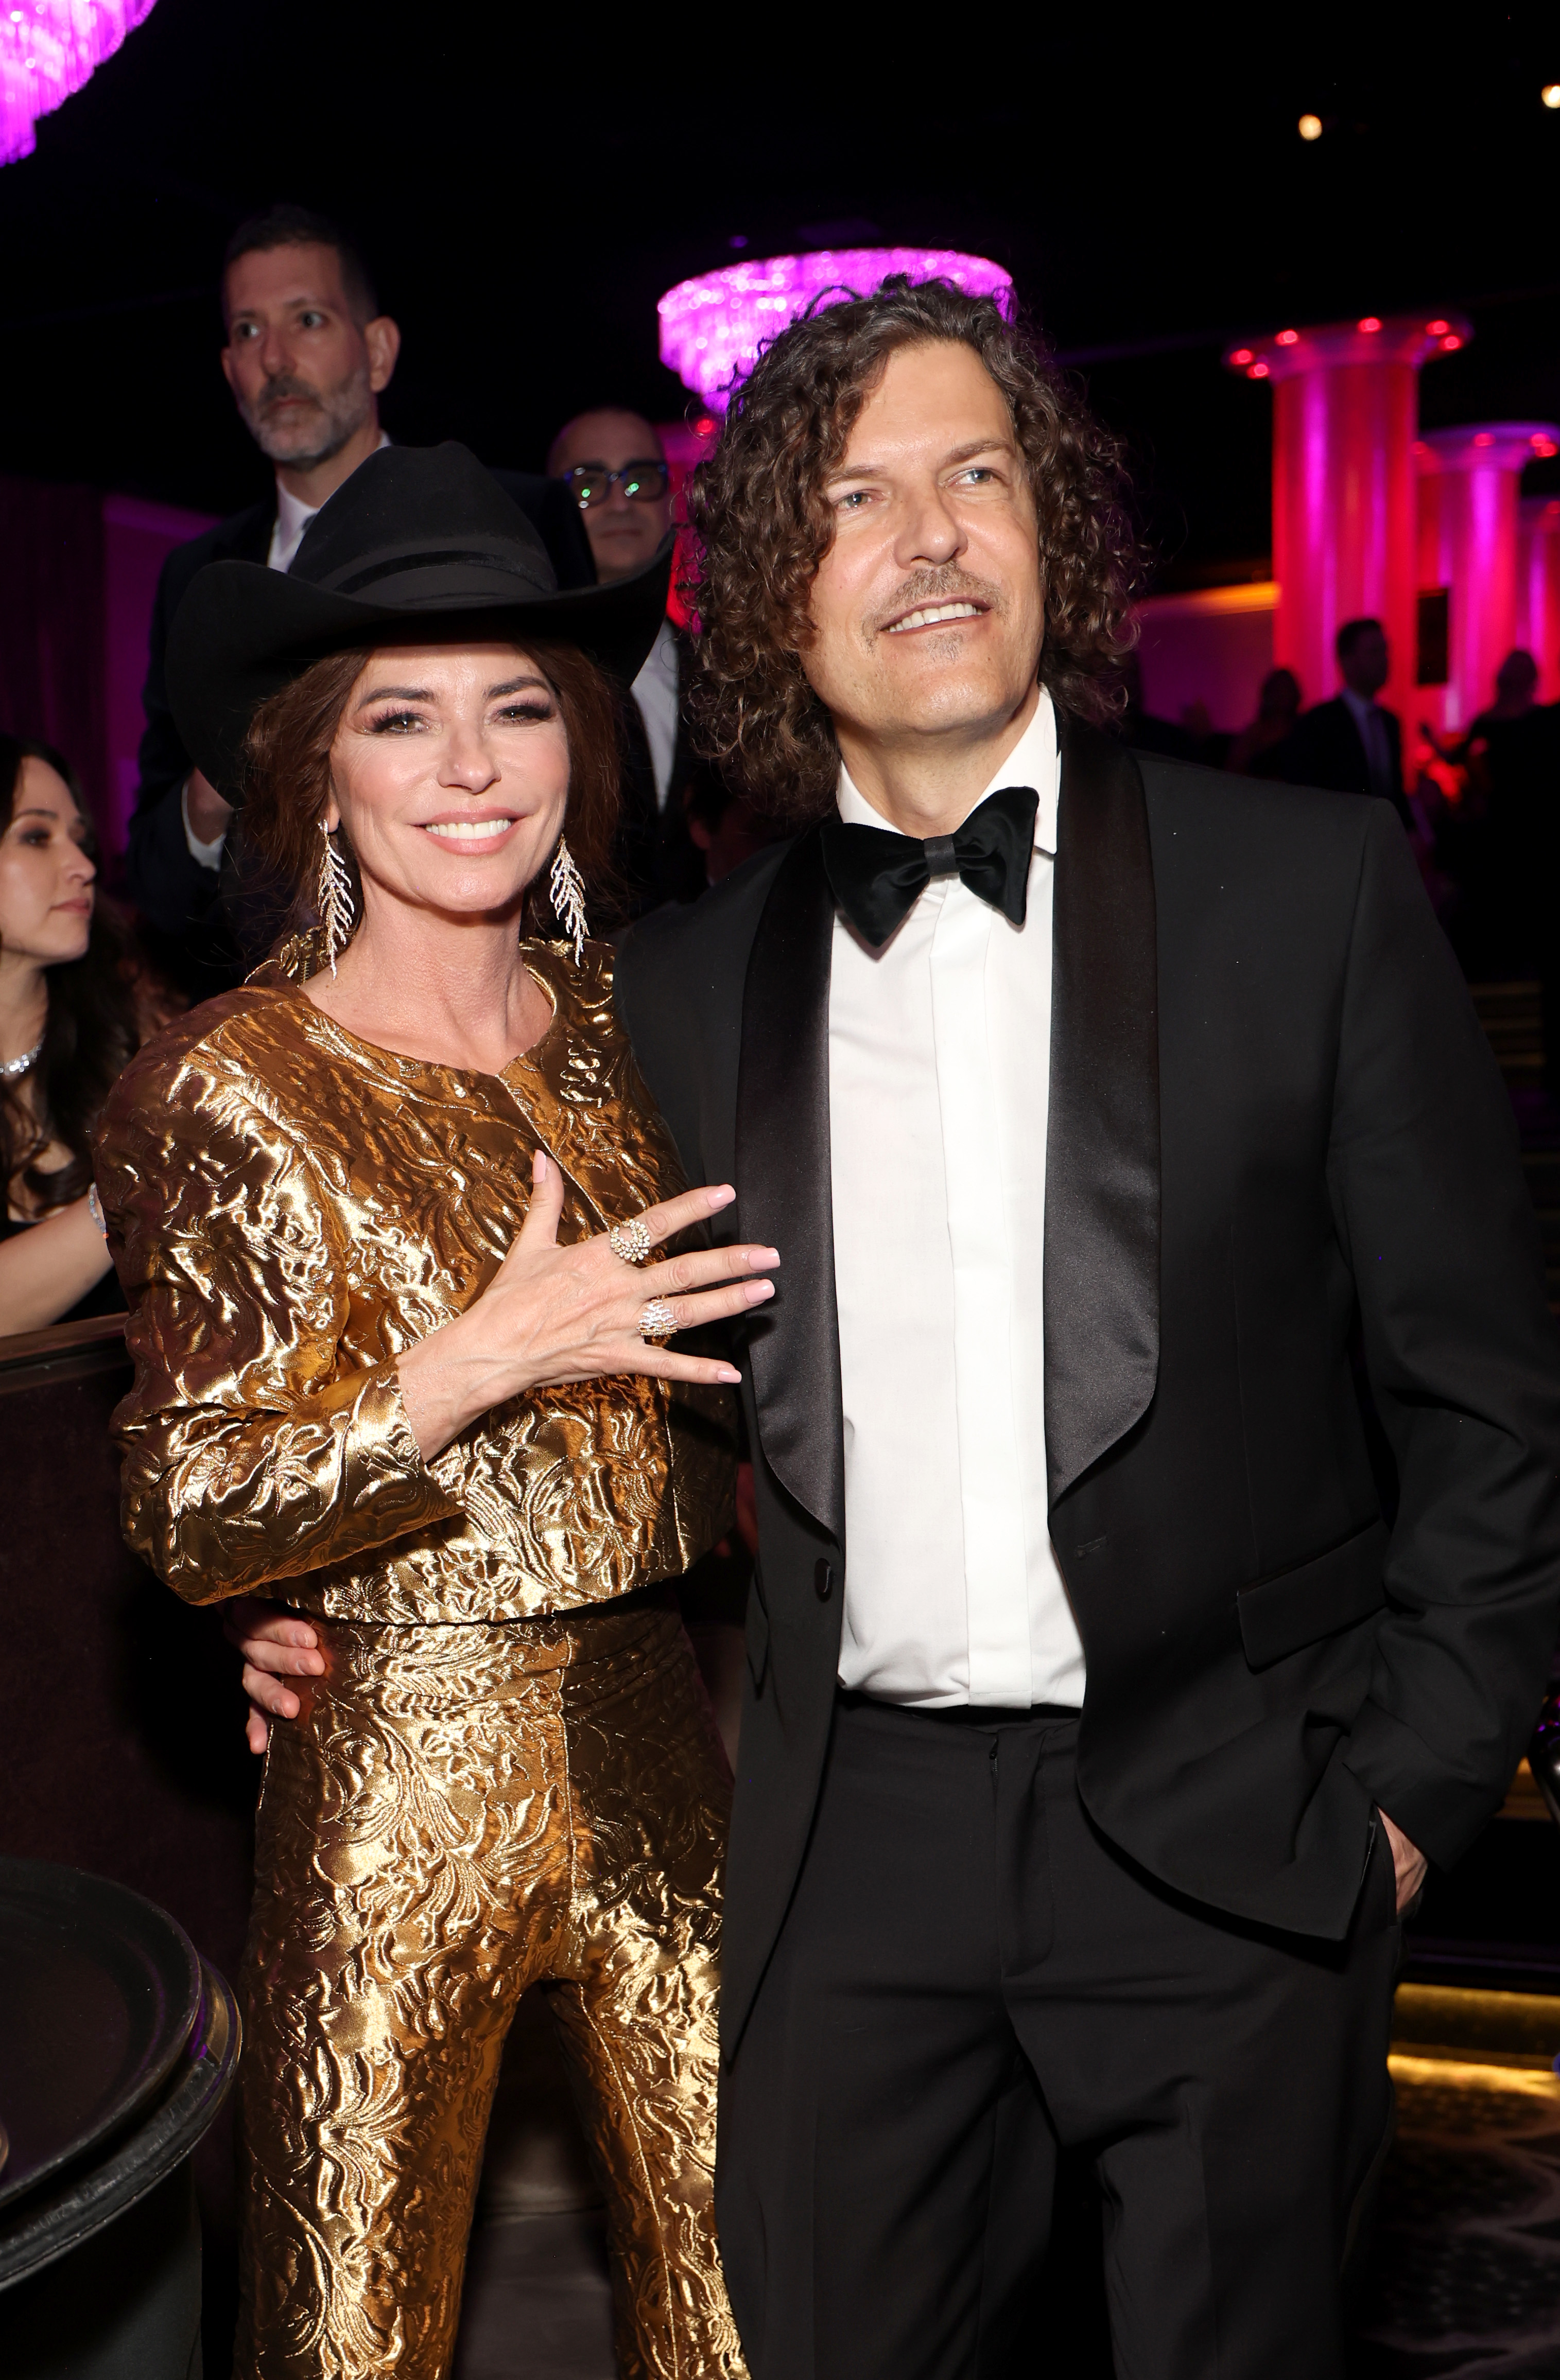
point(712, 327)
point(48, 48)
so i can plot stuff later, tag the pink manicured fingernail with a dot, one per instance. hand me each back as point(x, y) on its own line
point(732, 1379)
point(722, 1197)
point(759, 1290)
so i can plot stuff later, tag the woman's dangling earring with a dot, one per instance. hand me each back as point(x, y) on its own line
point(333, 898)
point(566, 889)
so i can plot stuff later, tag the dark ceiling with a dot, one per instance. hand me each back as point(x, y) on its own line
point(526, 188)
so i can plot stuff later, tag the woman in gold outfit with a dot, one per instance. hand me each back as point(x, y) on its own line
point(378, 1215)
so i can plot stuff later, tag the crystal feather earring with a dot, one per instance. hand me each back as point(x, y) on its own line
point(566, 889)
point(333, 898)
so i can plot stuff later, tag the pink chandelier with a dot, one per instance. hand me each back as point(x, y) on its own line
point(48, 48)
point(712, 328)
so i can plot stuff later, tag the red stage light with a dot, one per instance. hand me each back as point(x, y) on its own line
point(1258, 371)
point(1368, 323)
point(1437, 330)
point(1241, 355)
point(1453, 342)
point(1483, 438)
point(1287, 339)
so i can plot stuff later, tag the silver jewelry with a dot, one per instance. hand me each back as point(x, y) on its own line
point(13, 1069)
point(333, 898)
point(631, 1241)
point(94, 1208)
point(566, 889)
point(657, 1323)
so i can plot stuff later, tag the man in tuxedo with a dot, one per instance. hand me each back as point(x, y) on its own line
point(1351, 744)
point(308, 356)
point(613, 466)
point(1098, 1724)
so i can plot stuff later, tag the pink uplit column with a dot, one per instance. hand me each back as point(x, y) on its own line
point(1537, 626)
point(1344, 514)
point(1468, 481)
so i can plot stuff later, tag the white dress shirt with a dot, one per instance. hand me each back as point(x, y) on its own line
point(939, 1078)
point(655, 691)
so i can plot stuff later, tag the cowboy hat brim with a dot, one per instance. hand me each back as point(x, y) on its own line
point(245, 631)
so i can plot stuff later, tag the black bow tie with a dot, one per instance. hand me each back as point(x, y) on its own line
point(878, 877)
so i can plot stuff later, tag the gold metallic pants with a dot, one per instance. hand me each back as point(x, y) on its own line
point(459, 1813)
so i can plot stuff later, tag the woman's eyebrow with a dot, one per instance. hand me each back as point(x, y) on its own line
point(400, 694)
point(517, 684)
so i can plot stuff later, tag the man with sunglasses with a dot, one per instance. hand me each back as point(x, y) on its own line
point(614, 466)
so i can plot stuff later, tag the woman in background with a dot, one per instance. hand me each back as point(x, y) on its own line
point(68, 1027)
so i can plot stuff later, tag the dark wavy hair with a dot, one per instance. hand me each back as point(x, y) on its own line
point(762, 528)
point(91, 1035)
point(287, 770)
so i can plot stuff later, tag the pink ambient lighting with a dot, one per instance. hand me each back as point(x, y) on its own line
point(1287, 339)
point(1241, 355)
point(1437, 330)
point(1483, 438)
point(48, 49)
point(1452, 344)
point(1544, 445)
point(1258, 371)
point(713, 327)
point(1368, 323)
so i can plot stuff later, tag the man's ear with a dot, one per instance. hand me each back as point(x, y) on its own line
point(225, 360)
point(383, 339)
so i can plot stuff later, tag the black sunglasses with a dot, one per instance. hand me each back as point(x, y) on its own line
point(642, 484)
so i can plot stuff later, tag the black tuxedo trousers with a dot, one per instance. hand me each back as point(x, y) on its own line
point(1276, 1133)
point(971, 1976)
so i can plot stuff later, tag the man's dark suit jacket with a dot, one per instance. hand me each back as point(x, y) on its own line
point(1325, 747)
point(200, 915)
point(1272, 1113)
point(659, 860)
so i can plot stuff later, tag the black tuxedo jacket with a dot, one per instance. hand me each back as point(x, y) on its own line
point(1272, 1117)
point(1325, 747)
point(210, 929)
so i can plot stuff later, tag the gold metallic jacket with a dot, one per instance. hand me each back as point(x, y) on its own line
point(291, 1208)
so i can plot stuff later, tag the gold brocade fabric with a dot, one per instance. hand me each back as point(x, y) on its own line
point(508, 1774)
point(463, 1812)
point(291, 1208)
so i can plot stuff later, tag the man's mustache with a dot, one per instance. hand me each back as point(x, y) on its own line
point(284, 384)
point(937, 587)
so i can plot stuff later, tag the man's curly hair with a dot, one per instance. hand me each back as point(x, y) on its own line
point(762, 526)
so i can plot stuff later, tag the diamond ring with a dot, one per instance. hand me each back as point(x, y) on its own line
point(657, 1323)
point(630, 1242)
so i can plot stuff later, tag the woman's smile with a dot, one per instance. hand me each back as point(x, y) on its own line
point(472, 833)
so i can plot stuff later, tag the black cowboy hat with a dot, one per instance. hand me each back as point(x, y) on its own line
point(419, 541)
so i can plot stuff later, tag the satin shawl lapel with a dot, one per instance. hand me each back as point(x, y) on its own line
point(785, 1189)
point(1102, 1167)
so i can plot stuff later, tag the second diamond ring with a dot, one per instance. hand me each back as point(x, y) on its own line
point(657, 1323)
point(631, 1241)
